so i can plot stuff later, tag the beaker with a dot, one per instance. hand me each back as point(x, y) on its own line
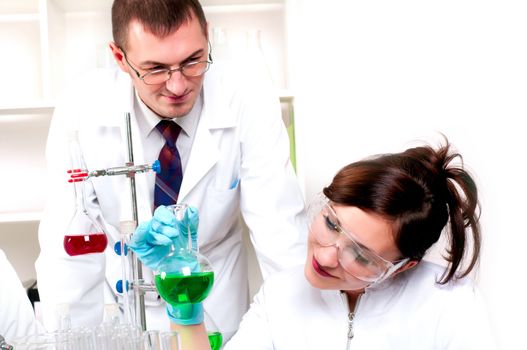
point(84, 234)
point(213, 332)
point(184, 275)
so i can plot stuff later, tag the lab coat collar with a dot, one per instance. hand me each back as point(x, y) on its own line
point(335, 308)
point(217, 97)
point(149, 119)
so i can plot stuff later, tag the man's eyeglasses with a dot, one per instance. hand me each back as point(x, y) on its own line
point(159, 76)
point(355, 258)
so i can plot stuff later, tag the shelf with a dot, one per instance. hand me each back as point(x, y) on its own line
point(84, 6)
point(19, 17)
point(208, 5)
point(18, 6)
point(285, 95)
point(21, 217)
point(22, 108)
point(48, 106)
point(242, 8)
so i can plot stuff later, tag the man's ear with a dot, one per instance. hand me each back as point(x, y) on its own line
point(118, 55)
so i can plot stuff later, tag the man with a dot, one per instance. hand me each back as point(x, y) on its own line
point(234, 155)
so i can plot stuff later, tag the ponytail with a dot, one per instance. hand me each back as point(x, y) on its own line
point(421, 192)
point(463, 209)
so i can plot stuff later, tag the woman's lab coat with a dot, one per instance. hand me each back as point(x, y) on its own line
point(411, 312)
point(239, 160)
point(17, 318)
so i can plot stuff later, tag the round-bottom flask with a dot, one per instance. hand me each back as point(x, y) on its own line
point(184, 275)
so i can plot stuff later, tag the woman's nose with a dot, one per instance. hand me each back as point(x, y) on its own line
point(327, 256)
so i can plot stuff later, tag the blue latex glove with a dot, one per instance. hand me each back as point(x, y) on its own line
point(152, 240)
point(185, 314)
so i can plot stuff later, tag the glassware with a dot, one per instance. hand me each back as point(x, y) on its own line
point(213, 332)
point(84, 235)
point(184, 275)
point(169, 340)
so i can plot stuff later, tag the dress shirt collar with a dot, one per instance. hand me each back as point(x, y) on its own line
point(148, 120)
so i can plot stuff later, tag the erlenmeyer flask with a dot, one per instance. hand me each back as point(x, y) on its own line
point(184, 275)
point(84, 234)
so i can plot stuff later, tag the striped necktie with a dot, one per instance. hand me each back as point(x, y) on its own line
point(168, 181)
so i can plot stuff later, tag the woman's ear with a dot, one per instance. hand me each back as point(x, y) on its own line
point(410, 264)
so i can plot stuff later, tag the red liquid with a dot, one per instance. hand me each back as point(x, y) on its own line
point(79, 245)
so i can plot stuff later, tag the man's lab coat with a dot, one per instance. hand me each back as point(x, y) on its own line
point(239, 161)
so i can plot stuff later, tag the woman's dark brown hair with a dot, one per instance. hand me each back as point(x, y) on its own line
point(160, 17)
point(419, 191)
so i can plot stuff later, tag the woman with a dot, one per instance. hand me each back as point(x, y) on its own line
point(364, 284)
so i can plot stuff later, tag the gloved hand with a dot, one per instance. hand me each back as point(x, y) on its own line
point(152, 240)
point(185, 314)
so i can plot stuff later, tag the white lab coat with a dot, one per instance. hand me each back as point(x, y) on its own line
point(412, 312)
point(239, 162)
point(17, 318)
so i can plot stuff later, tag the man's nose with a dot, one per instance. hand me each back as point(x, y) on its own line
point(177, 83)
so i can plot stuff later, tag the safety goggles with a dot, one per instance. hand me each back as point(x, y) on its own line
point(355, 258)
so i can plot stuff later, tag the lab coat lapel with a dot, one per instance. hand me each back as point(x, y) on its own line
point(203, 155)
point(215, 116)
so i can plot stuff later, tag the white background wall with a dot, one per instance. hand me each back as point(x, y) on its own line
point(376, 76)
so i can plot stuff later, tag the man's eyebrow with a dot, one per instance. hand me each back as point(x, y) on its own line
point(156, 63)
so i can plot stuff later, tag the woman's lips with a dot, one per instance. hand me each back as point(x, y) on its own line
point(319, 269)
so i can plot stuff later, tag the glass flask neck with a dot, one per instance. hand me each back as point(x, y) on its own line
point(77, 162)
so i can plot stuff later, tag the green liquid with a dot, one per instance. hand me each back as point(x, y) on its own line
point(178, 289)
point(215, 340)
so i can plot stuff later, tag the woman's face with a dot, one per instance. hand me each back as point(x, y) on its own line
point(324, 265)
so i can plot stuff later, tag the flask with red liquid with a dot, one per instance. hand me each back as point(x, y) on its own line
point(84, 235)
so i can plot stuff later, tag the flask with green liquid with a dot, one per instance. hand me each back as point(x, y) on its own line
point(184, 275)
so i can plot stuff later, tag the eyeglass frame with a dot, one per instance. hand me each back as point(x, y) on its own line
point(170, 71)
point(390, 267)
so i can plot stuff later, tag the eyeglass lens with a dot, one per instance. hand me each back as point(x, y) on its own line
point(192, 69)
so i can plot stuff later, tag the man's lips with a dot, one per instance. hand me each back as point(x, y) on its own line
point(177, 99)
point(319, 269)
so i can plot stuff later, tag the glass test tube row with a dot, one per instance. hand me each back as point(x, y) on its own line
point(107, 336)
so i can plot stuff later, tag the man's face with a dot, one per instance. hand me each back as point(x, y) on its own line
point(147, 52)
